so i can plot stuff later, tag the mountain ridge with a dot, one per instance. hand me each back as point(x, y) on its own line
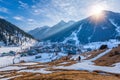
point(90, 31)
point(86, 30)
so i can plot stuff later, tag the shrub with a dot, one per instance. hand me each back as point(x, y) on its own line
point(103, 47)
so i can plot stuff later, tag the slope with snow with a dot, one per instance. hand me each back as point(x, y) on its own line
point(45, 57)
point(89, 65)
point(11, 35)
point(87, 30)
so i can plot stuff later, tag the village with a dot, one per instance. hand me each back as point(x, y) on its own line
point(45, 47)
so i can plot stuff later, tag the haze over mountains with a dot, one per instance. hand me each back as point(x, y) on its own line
point(46, 31)
point(83, 31)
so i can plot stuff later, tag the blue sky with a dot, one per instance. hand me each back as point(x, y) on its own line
point(29, 14)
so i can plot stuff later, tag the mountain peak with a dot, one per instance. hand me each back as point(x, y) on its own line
point(71, 22)
point(62, 22)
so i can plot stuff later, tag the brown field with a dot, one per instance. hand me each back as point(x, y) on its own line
point(111, 58)
point(62, 74)
point(92, 54)
point(67, 75)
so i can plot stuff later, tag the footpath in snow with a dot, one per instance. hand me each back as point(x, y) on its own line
point(89, 65)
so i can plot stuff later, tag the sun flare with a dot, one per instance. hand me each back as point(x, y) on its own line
point(97, 10)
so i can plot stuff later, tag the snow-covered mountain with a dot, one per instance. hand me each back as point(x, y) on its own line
point(45, 31)
point(39, 32)
point(12, 35)
point(89, 30)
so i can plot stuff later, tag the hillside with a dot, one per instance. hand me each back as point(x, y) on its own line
point(12, 35)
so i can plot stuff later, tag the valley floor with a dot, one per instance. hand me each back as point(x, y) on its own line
point(40, 71)
point(98, 64)
point(65, 68)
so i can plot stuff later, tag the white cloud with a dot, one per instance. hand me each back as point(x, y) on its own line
point(36, 11)
point(20, 18)
point(52, 12)
point(3, 9)
point(23, 5)
point(30, 20)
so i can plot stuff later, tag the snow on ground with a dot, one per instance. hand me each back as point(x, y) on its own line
point(7, 49)
point(86, 65)
point(100, 55)
point(75, 57)
point(11, 68)
point(73, 36)
point(45, 57)
point(64, 63)
point(42, 70)
point(89, 65)
point(19, 48)
point(5, 61)
point(27, 64)
point(1, 76)
point(116, 25)
point(10, 77)
point(96, 45)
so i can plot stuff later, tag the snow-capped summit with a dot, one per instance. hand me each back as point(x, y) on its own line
point(61, 23)
point(90, 30)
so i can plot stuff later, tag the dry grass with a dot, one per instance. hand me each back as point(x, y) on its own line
point(63, 74)
point(110, 58)
point(61, 60)
point(92, 54)
point(67, 75)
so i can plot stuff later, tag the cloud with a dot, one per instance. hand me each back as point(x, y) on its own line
point(20, 18)
point(23, 5)
point(3, 9)
point(38, 13)
point(30, 20)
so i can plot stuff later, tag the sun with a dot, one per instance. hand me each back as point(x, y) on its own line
point(97, 10)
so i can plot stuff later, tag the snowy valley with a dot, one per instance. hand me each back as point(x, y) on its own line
point(68, 50)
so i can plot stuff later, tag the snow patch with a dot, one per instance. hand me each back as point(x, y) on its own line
point(117, 27)
point(73, 36)
point(11, 68)
point(89, 65)
point(100, 55)
point(27, 64)
point(10, 77)
point(36, 71)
